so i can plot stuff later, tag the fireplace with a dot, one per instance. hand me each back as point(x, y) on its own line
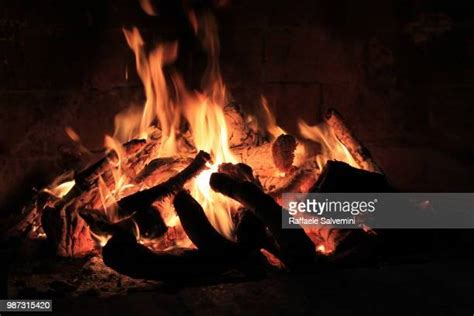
point(146, 147)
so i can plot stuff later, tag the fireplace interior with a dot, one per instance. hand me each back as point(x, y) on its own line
point(127, 128)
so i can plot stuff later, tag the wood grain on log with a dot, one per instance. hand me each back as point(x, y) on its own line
point(67, 231)
point(239, 133)
point(143, 199)
point(361, 154)
point(87, 177)
point(283, 152)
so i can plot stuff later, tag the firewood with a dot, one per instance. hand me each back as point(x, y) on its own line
point(361, 154)
point(354, 245)
point(283, 152)
point(150, 223)
point(296, 249)
point(21, 224)
point(251, 232)
point(199, 229)
point(137, 162)
point(160, 170)
point(67, 232)
point(123, 254)
point(71, 237)
point(143, 199)
point(240, 171)
point(89, 176)
point(239, 133)
point(300, 182)
point(259, 157)
point(28, 221)
point(338, 176)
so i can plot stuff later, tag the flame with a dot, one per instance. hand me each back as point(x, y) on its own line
point(202, 111)
point(269, 120)
point(61, 189)
point(72, 134)
point(324, 239)
point(331, 147)
point(147, 6)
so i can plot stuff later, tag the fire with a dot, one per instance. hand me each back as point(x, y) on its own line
point(202, 111)
point(60, 190)
point(190, 121)
point(331, 147)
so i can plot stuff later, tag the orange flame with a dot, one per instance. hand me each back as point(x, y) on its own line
point(331, 147)
point(202, 111)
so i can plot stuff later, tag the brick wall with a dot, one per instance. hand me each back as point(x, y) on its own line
point(399, 71)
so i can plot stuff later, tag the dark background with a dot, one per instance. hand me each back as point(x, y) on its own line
point(401, 72)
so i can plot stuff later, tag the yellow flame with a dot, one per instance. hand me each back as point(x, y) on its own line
point(268, 120)
point(61, 189)
point(331, 147)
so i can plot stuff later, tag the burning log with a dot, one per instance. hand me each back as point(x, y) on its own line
point(361, 154)
point(240, 134)
point(87, 177)
point(296, 249)
point(143, 199)
point(338, 176)
point(138, 161)
point(160, 170)
point(22, 224)
point(283, 152)
point(123, 254)
point(259, 157)
point(28, 222)
point(67, 231)
point(251, 232)
point(199, 229)
point(150, 223)
point(354, 245)
point(262, 159)
point(239, 171)
point(300, 182)
point(70, 235)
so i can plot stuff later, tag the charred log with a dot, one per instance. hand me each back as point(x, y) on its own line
point(161, 169)
point(239, 171)
point(87, 177)
point(67, 232)
point(123, 254)
point(200, 230)
point(251, 232)
point(143, 199)
point(300, 182)
point(296, 249)
point(340, 177)
point(150, 223)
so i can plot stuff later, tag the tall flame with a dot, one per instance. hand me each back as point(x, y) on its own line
point(203, 111)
